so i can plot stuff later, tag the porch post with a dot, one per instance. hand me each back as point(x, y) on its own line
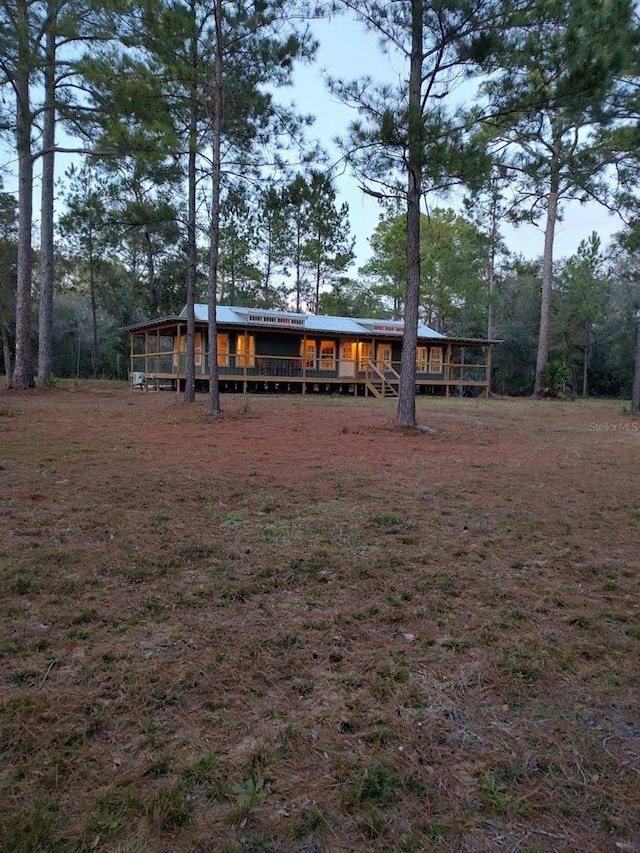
point(146, 360)
point(447, 375)
point(176, 351)
point(304, 364)
point(244, 363)
point(487, 388)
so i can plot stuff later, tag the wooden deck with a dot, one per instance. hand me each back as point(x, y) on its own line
point(166, 371)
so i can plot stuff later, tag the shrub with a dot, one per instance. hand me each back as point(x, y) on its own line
point(555, 378)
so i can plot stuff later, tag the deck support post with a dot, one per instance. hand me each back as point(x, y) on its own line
point(487, 387)
point(146, 360)
point(304, 365)
point(244, 361)
point(176, 350)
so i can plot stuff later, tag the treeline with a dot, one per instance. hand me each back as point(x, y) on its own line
point(595, 301)
point(121, 257)
point(194, 180)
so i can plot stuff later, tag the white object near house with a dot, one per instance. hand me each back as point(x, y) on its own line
point(137, 379)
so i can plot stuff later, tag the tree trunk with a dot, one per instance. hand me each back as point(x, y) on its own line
point(267, 272)
point(94, 305)
point(493, 241)
point(232, 276)
point(192, 248)
point(154, 302)
point(23, 368)
point(547, 273)
point(298, 266)
point(6, 351)
point(192, 265)
point(45, 315)
point(406, 411)
point(635, 393)
point(315, 310)
point(214, 248)
point(587, 354)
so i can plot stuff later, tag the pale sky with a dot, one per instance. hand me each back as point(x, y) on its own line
point(346, 51)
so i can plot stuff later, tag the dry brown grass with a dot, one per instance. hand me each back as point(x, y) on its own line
point(298, 629)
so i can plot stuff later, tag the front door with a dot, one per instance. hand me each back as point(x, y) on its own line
point(347, 366)
point(384, 355)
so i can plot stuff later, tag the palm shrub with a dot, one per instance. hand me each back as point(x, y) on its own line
point(555, 378)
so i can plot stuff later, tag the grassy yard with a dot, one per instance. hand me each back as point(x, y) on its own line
point(297, 629)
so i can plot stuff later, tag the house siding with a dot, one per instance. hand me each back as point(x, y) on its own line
point(277, 361)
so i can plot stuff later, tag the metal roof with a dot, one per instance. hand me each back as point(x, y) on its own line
point(224, 314)
point(169, 319)
point(228, 315)
point(322, 323)
point(259, 317)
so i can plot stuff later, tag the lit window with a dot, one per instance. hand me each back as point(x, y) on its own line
point(421, 359)
point(180, 351)
point(277, 320)
point(246, 351)
point(384, 355)
point(435, 360)
point(223, 350)
point(180, 347)
point(397, 328)
point(327, 355)
point(309, 354)
point(365, 352)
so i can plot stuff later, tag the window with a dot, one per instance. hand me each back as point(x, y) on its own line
point(277, 320)
point(365, 352)
point(435, 360)
point(223, 350)
point(166, 343)
point(309, 354)
point(181, 349)
point(246, 356)
point(396, 328)
point(421, 359)
point(327, 355)
point(384, 355)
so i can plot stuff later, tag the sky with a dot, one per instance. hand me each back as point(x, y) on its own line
point(347, 52)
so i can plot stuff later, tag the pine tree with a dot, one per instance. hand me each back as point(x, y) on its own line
point(408, 143)
point(454, 294)
point(551, 76)
point(19, 50)
point(8, 267)
point(582, 296)
point(329, 247)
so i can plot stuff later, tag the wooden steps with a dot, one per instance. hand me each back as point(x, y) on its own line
point(377, 383)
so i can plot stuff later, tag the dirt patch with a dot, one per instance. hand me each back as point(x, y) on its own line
point(298, 628)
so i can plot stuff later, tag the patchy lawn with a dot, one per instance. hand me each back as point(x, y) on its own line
point(297, 629)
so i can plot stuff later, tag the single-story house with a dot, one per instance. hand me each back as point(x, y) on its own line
point(282, 351)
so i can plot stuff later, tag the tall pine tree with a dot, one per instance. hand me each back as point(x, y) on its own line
point(551, 76)
point(408, 142)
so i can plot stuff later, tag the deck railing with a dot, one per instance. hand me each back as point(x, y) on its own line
point(153, 363)
point(468, 374)
point(267, 367)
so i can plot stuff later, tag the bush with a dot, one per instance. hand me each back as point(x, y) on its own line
point(555, 379)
